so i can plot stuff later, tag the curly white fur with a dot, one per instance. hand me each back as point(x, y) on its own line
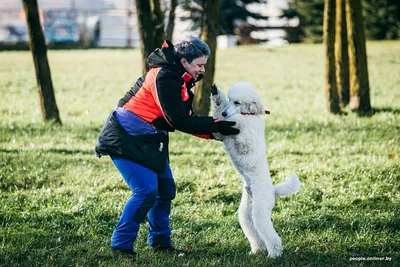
point(248, 155)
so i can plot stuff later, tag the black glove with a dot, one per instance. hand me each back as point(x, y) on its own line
point(214, 89)
point(225, 127)
point(200, 77)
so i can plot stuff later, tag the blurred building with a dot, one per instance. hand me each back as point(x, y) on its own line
point(113, 23)
point(98, 23)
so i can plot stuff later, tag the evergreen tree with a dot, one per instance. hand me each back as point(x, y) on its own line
point(232, 12)
point(310, 13)
point(382, 18)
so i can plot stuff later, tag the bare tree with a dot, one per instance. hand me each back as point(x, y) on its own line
point(39, 52)
point(359, 82)
point(209, 33)
point(151, 27)
point(341, 53)
point(331, 91)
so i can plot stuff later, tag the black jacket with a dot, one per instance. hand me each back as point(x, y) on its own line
point(163, 98)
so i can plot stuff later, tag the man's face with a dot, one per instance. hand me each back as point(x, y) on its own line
point(196, 67)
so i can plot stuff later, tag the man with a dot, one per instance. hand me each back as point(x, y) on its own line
point(136, 137)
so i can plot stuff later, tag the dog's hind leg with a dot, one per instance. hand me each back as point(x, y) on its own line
point(262, 208)
point(247, 225)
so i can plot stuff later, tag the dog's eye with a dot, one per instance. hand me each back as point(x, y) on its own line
point(236, 103)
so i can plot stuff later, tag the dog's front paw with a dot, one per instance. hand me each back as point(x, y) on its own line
point(215, 96)
point(276, 252)
point(214, 89)
point(255, 250)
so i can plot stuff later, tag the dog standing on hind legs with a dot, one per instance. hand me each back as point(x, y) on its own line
point(248, 155)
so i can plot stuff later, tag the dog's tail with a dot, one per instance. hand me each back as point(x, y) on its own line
point(290, 186)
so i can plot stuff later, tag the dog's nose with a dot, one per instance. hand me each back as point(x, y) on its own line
point(224, 114)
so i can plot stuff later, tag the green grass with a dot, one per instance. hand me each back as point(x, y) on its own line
point(59, 203)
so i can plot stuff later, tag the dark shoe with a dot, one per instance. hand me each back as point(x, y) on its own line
point(125, 251)
point(161, 243)
point(169, 249)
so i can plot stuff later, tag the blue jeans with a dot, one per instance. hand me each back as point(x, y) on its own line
point(152, 193)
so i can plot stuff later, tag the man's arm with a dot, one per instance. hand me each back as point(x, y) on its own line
point(169, 88)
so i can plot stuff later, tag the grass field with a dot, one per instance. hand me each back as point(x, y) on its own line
point(59, 203)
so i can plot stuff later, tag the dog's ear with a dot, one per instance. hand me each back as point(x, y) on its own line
point(256, 108)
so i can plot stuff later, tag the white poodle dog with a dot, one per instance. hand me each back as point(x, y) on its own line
point(248, 155)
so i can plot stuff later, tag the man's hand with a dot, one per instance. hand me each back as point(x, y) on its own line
point(225, 128)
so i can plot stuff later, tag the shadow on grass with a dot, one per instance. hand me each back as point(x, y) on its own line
point(80, 132)
point(341, 131)
point(54, 239)
point(374, 111)
point(82, 237)
point(237, 255)
point(50, 150)
point(324, 222)
point(37, 168)
point(386, 110)
point(181, 153)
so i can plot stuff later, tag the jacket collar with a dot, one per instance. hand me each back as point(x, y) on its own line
point(187, 77)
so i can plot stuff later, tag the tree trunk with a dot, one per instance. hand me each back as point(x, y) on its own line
point(151, 28)
point(341, 54)
point(171, 19)
point(129, 14)
point(209, 33)
point(331, 92)
point(158, 25)
point(39, 52)
point(143, 11)
point(359, 83)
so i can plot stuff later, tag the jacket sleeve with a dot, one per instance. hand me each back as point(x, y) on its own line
point(169, 86)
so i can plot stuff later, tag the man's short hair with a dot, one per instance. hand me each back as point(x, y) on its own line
point(191, 48)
